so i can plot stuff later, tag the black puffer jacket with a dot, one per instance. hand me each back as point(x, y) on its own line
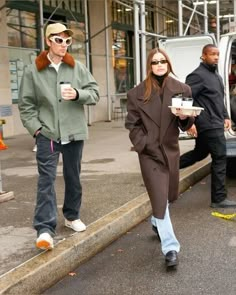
point(208, 93)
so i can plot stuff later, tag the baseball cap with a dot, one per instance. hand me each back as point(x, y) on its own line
point(57, 28)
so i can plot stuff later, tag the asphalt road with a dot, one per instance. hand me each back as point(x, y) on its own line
point(134, 264)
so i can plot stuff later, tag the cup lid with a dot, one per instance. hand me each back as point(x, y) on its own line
point(178, 95)
point(187, 98)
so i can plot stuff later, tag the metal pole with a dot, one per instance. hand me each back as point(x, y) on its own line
point(143, 39)
point(136, 42)
point(42, 46)
point(54, 11)
point(193, 9)
point(205, 18)
point(190, 19)
point(123, 4)
point(180, 16)
point(218, 21)
point(107, 66)
point(234, 12)
point(87, 54)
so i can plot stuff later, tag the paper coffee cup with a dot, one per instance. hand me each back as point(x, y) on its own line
point(63, 86)
point(187, 102)
point(176, 102)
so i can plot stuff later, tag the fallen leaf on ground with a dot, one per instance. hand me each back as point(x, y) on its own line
point(72, 274)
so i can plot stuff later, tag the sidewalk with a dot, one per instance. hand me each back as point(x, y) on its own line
point(114, 200)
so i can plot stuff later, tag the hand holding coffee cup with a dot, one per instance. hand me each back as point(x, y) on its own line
point(67, 92)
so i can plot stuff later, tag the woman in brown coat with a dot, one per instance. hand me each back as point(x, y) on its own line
point(154, 133)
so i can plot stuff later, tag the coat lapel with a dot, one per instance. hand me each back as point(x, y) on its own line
point(158, 111)
point(152, 108)
point(171, 88)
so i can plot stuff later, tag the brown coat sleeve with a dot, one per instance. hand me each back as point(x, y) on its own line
point(134, 123)
point(187, 123)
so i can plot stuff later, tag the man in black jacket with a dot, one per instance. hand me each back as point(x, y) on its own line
point(208, 92)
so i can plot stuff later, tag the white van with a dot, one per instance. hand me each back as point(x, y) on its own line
point(185, 53)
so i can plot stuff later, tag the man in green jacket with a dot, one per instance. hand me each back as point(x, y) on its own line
point(55, 116)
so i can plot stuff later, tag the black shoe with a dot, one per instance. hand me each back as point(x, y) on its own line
point(154, 228)
point(171, 259)
point(226, 203)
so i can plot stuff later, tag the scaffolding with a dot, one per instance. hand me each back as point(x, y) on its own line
point(139, 8)
point(195, 11)
point(140, 32)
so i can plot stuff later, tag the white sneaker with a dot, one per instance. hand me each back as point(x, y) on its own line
point(76, 225)
point(44, 242)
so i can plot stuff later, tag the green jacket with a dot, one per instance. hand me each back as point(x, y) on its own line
point(41, 105)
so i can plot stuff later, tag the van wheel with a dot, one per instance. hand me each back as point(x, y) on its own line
point(230, 167)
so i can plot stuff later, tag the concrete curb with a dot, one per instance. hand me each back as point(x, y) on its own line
point(42, 271)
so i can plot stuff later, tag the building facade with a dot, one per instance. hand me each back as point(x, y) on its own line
point(104, 40)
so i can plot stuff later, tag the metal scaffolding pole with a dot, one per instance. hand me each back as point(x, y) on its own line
point(190, 19)
point(87, 53)
point(41, 24)
point(143, 38)
point(107, 65)
point(180, 15)
point(205, 17)
point(234, 12)
point(218, 21)
point(136, 42)
point(140, 34)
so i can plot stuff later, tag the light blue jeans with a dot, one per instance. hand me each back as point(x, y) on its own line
point(166, 233)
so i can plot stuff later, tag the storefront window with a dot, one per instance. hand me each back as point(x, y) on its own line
point(122, 61)
point(122, 14)
point(21, 29)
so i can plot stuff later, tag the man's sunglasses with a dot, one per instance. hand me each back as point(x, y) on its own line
point(156, 62)
point(61, 41)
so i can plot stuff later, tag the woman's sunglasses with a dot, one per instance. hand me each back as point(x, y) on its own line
point(156, 62)
point(61, 41)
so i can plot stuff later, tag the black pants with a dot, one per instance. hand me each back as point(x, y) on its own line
point(210, 142)
point(45, 218)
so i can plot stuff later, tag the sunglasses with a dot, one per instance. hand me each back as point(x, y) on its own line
point(61, 41)
point(156, 62)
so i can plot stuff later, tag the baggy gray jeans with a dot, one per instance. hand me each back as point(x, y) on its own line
point(48, 152)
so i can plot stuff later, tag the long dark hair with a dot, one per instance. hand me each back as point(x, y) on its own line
point(150, 81)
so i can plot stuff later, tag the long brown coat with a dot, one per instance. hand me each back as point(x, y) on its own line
point(154, 134)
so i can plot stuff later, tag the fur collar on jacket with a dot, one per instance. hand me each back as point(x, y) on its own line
point(42, 61)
